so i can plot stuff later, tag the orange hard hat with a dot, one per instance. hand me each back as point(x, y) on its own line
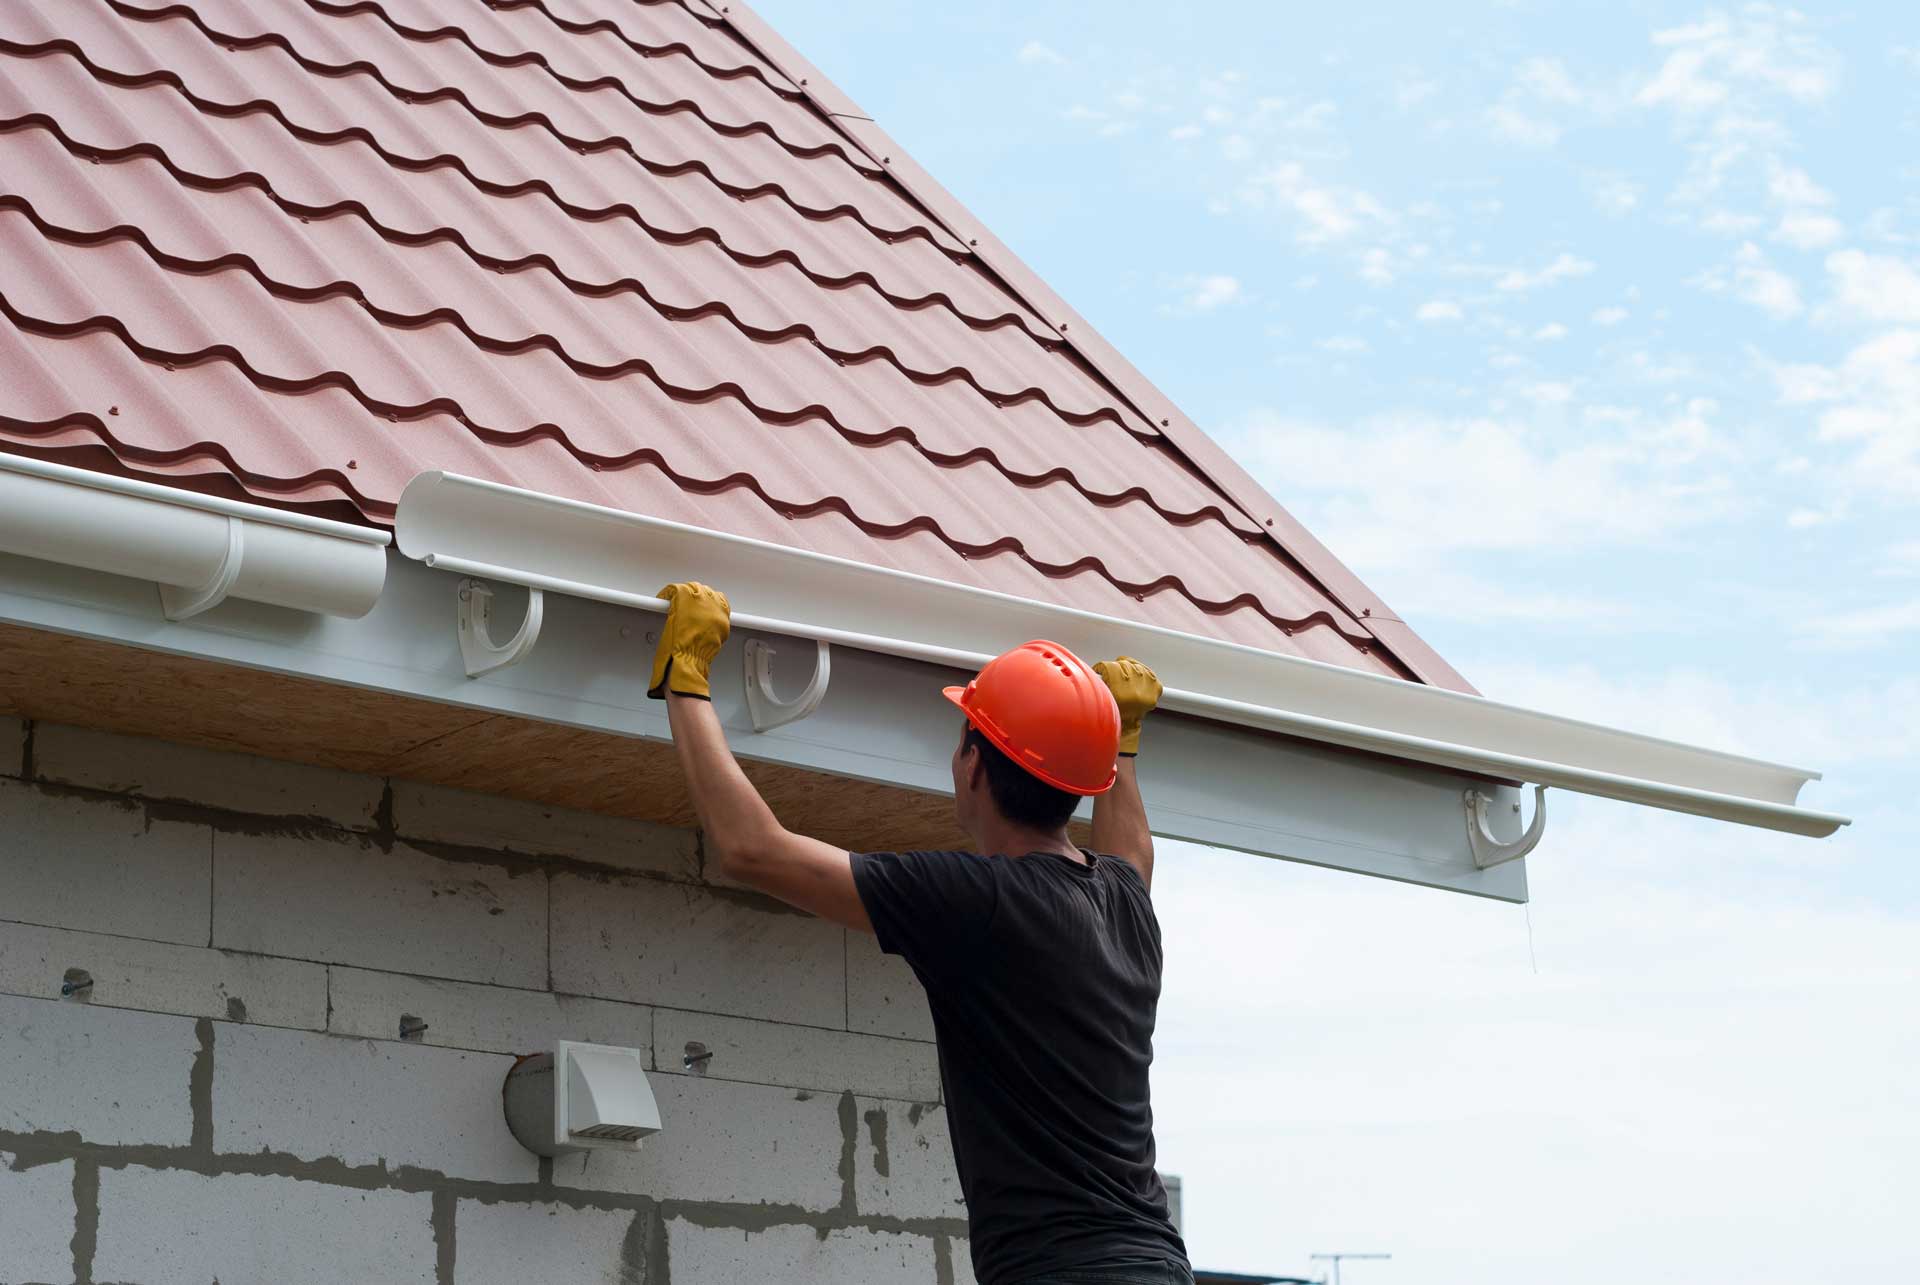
point(1047, 710)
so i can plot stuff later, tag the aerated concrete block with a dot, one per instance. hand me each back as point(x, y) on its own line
point(164, 978)
point(109, 1075)
point(496, 1019)
point(156, 769)
point(446, 815)
point(341, 899)
point(883, 995)
point(13, 745)
point(738, 1143)
point(364, 1102)
point(172, 1227)
point(36, 1221)
point(683, 946)
point(801, 1057)
point(960, 1256)
point(903, 1165)
point(852, 1256)
point(512, 1244)
point(101, 866)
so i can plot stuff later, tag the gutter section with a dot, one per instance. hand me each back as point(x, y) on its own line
point(199, 549)
point(584, 550)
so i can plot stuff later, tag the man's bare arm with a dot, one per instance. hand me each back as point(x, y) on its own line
point(745, 841)
point(1120, 823)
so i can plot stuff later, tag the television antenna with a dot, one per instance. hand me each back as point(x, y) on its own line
point(1335, 1259)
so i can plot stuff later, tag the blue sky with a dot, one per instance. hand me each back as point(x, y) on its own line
point(1590, 336)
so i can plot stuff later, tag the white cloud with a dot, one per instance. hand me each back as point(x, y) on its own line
point(1343, 343)
point(1862, 629)
point(1873, 405)
point(1728, 223)
point(1208, 293)
point(1610, 316)
point(1376, 266)
point(1614, 194)
point(1411, 91)
point(1434, 488)
point(1873, 287)
point(1322, 213)
point(1552, 330)
point(1542, 91)
point(1765, 48)
point(1517, 126)
point(1794, 187)
point(1563, 267)
point(1807, 231)
point(1036, 53)
point(1183, 132)
point(1804, 224)
point(1727, 80)
point(1751, 279)
point(1439, 310)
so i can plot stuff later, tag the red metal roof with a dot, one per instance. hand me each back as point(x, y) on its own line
point(606, 249)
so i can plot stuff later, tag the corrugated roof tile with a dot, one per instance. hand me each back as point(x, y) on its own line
point(607, 250)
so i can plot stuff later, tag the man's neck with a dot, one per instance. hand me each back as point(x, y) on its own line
point(1008, 839)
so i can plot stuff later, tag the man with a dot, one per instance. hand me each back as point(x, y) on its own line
point(1041, 961)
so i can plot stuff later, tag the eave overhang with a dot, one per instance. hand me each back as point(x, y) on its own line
point(570, 724)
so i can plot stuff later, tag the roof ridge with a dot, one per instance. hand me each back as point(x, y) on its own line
point(1293, 540)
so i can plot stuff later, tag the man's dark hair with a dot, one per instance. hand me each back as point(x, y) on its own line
point(1021, 796)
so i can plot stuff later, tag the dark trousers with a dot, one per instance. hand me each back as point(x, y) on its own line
point(1162, 1272)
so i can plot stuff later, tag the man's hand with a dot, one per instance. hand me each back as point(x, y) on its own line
point(698, 621)
point(1135, 690)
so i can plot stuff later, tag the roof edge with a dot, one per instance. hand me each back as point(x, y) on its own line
point(1207, 455)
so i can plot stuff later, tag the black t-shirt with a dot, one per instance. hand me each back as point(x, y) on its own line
point(1043, 976)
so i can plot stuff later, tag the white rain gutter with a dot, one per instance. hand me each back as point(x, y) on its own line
point(200, 549)
point(564, 546)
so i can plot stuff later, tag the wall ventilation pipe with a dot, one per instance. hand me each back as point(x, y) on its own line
point(497, 532)
point(200, 549)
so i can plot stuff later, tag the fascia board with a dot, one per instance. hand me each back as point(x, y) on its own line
point(585, 550)
point(882, 719)
point(188, 543)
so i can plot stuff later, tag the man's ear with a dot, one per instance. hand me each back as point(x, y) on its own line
point(974, 764)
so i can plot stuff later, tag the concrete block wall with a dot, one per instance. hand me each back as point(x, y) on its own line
point(226, 1093)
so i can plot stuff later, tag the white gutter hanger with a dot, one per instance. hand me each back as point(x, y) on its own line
point(199, 549)
point(543, 542)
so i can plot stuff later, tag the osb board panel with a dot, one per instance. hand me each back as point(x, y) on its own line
point(141, 693)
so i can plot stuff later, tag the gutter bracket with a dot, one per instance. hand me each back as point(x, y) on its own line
point(1489, 851)
point(181, 604)
point(480, 653)
point(769, 711)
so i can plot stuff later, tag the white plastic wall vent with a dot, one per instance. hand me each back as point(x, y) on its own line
point(199, 549)
point(478, 528)
point(579, 1097)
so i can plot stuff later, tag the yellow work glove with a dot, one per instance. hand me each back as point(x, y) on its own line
point(698, 619)
point(1135, 690)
